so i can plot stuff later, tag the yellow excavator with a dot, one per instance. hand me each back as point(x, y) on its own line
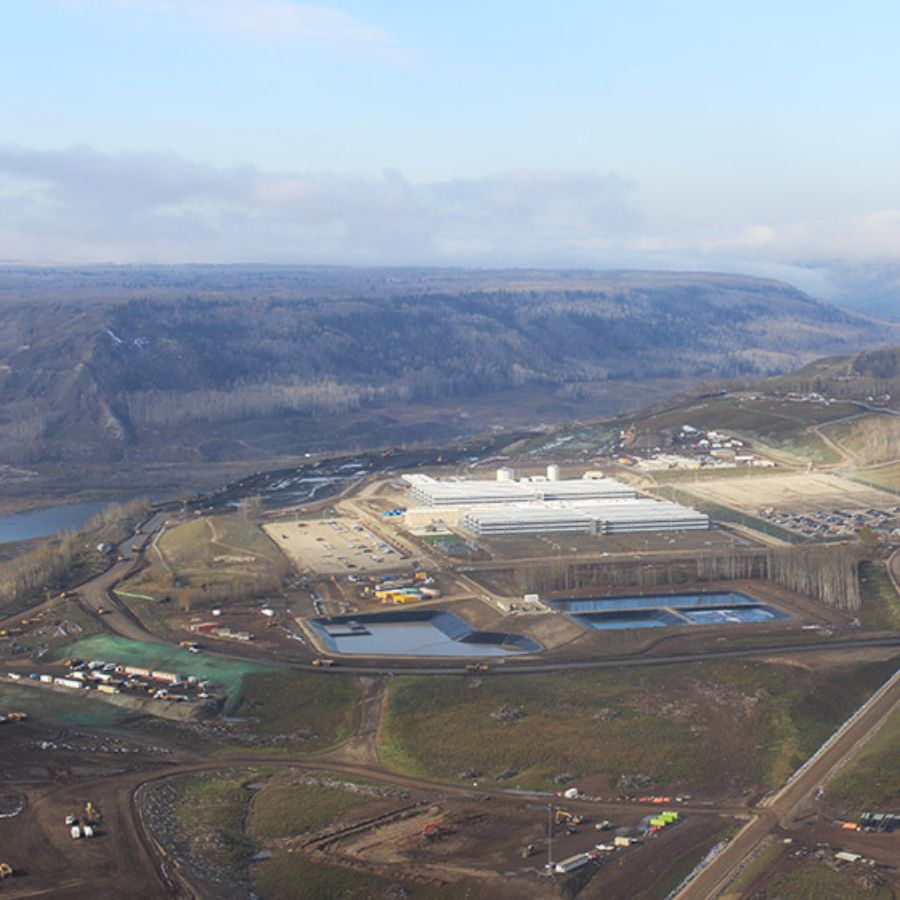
point(564, 817)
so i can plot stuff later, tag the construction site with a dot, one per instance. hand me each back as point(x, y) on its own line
point(317, 730)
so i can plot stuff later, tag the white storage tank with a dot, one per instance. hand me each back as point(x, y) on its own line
point(506, 474)
point(553, 473)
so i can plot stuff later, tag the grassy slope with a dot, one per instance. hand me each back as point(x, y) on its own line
point(211, 811)
point(298, 704)
point(872, 780)
point(885, 476)
point(757, 721)
point(195, 559)
point(285, 809)
point(814, 880)
point(224, 824)
point(291, 876)
point(869, 439)
point(880, 603)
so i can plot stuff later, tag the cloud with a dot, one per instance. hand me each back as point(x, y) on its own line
point(80, 205)
point(266, 21)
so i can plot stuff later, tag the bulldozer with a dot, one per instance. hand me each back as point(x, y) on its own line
point(6, 871)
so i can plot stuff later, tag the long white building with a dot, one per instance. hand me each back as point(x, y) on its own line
point(639, 514)
point(589, 505)
point(474, 492)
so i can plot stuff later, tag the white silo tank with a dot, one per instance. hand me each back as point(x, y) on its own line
point(506, 474)
point(553, 473)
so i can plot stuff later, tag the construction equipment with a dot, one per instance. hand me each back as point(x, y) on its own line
point(103, 611)
point(6, 871)
point(434, 832)
point(477, 667)
point(16, 716)
point(319, 662)
point(565, 817)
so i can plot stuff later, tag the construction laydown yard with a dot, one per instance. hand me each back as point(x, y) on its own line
point(333, 546)
point(798, 492)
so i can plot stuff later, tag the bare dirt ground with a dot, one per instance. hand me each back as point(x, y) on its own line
point(798, 492)
point(57, 770)
point(333, 546)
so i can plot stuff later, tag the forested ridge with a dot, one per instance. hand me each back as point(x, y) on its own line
point(99, 361)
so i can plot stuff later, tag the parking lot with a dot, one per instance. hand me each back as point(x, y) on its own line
point(334, 546)
point(838, 522)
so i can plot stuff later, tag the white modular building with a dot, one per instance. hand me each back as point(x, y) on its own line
point(610, 517)
point(593, 504)
point(471, 492)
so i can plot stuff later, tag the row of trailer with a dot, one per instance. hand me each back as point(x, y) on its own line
point(110, 678)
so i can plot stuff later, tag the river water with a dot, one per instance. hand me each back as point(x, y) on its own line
point(43, 522)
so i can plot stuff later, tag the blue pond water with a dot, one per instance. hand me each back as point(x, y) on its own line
point(416, 633)
point(729, 607)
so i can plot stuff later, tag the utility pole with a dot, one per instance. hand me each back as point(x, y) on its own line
point(549, 838)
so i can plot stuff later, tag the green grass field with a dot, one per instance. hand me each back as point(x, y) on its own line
point(211, 811)
point(293, 876)
point(872, 780)
point(768, 418)
point(814, 880)
point(224, 819)
point(883, 477)
point(880, 603)
point(757, 721)
point(294, 804)
point(63, 709)
point(208, 551)
point(314, 711)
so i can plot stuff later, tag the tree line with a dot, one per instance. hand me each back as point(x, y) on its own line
point(827, 574)
point(51, 565)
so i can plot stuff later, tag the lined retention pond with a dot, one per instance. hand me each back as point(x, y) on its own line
point(416, 633)
point(660, 611)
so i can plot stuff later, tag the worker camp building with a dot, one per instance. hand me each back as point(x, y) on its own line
point(610, 517)
point(506, 489)
point(590, 505)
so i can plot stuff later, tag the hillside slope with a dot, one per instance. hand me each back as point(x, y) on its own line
point(166, 363)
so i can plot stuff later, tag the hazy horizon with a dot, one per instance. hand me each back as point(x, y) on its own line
point(268, 131)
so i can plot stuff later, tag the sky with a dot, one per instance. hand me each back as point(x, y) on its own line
point(758, 137)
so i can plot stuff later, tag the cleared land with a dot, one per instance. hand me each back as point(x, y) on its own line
point(723, 729)
point(806, 492)
point(883, 476)
point(814, 879)
point(872, 780)
point(334, 546)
